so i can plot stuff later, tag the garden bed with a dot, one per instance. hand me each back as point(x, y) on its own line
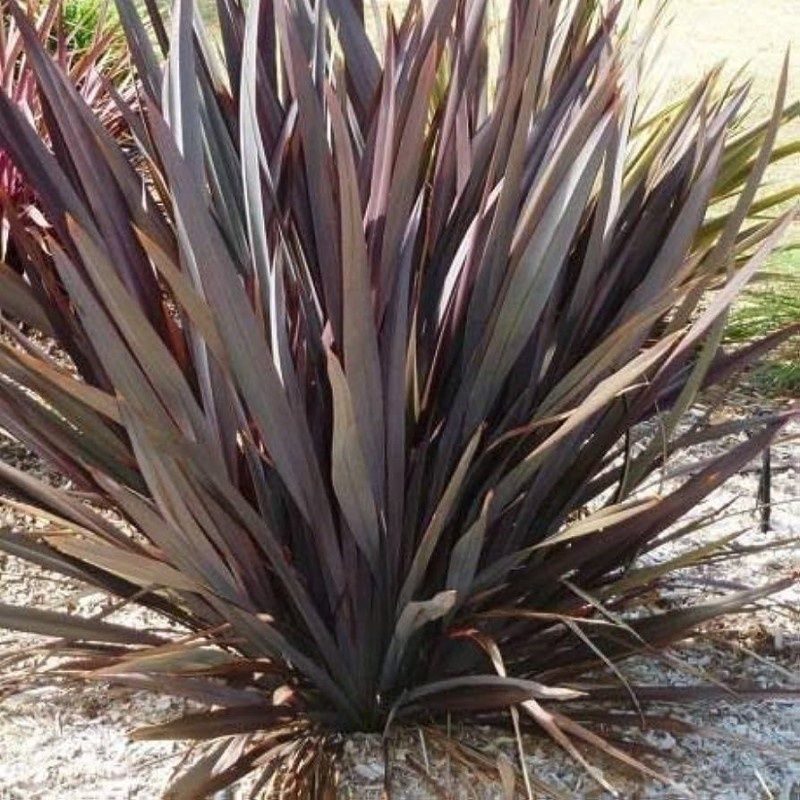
point(72, 743)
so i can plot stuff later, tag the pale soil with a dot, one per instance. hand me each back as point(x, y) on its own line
point(748, 35)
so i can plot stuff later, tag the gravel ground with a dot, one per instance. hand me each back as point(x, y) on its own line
point(71, 743)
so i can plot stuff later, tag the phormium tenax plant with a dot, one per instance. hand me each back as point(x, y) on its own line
point(371, 347)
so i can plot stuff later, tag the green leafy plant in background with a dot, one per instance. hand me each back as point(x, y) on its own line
point(82, 19)
point(363, 344)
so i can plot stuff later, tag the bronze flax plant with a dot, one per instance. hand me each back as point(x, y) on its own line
point(372, 350)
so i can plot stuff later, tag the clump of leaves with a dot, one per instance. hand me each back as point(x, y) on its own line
point(363, 343)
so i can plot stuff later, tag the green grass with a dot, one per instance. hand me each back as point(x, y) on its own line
point(772, 302)
point(778, 378)
point(81, 22)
